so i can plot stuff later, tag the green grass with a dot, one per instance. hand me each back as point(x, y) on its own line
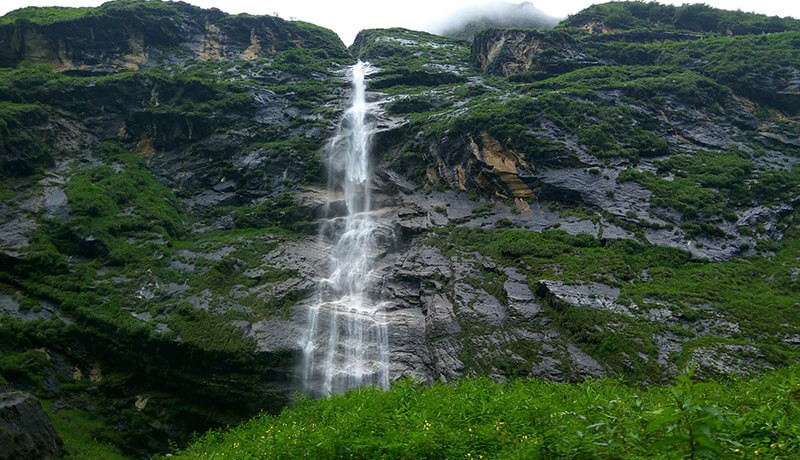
point(703, 183)
point(26, 152)
point(477, 418)
point(110, 205)
point(46, 15)
point(79, 431)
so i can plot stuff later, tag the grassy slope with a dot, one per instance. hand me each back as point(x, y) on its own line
point(477, 418)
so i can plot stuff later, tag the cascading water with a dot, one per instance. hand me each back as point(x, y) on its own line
point(346, 342)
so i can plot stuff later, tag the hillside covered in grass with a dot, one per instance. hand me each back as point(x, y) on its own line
point(529, 419)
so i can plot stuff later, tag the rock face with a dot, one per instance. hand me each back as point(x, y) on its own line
point(507, 52)
point(111, 126)
point(133, 36)
point(489, 315)
point(25, 431)
point(482, 164)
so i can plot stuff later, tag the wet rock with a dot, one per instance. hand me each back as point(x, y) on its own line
point(583, 365)
point(728, 359)
point(408, 342)
point(592, 295)
point(521, 300)
point(659, 315)
point(440, 320)
point(14, 235)
point(276, 334)
point(668, 345)
point(548, 367)
point(55, 203)
point(308, 257)
point(201, 301)
point(478, 306)
point(181, 267)
point(600, 190)
point(446, 354)
point(507, 52)
point(143, 316)
point(41, 309)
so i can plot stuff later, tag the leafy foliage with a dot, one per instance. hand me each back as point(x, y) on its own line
point(745, 64)
point(476, 418)
point(110, 205)
point(46, 15)
point(694, 17)
point(22, 149)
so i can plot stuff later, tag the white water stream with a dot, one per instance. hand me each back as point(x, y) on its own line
point(346, 342)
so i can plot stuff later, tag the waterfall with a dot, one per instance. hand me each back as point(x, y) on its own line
point(346, 342)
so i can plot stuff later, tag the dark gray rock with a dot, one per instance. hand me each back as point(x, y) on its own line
point(14, 234)
point(43, 309)
point(478, 306)
point(549, 366)
point(521, 300)
point(446, 352)
point(668, 345)
point(276, 334)
point(440, 320)
point(26, 432)
point(410, 355)
point(583, 365)
point(728, 359)
point(592, 295)
point(55, 203)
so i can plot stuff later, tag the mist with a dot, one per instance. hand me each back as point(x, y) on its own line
point(465, 22)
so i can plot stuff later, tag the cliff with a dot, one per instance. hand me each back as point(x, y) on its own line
point(135, 35)
point(564, 204)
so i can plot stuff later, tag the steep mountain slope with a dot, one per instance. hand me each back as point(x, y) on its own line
point(139, 203)
point(617, 196)
point(651, 190)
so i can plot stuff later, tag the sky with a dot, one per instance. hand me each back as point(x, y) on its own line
point(347, 17)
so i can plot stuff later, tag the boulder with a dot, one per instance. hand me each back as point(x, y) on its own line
point(25, 430)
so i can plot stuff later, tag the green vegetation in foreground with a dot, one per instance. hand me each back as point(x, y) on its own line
point(477, 418)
